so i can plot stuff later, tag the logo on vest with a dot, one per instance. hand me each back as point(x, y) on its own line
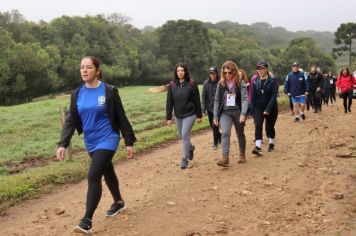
point(101, 100)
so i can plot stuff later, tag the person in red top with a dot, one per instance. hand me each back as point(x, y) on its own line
point(345, 85)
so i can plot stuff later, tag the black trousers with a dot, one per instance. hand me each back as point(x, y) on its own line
point(101, 165)
point(216, 133)
point(347, 96)
point(332, 92)
point(316, 99)
point(259, 118)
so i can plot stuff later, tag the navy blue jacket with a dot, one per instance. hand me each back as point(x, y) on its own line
point(296, 84)
point(265, 98)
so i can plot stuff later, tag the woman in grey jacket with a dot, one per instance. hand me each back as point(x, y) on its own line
point(230, 107)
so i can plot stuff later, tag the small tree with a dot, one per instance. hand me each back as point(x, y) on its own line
point(344, 36)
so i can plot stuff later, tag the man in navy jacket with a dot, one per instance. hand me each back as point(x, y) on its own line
point(297, 87)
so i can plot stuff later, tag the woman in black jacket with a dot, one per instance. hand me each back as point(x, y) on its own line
point(96, 110)
point(207, 102)
point(183, 97)
point(264, 102)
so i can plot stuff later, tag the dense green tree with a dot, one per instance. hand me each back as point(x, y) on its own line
point(345, 36)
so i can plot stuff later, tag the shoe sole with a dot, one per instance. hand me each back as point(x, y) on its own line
point(222, 164)
point(77, 229)
point(256, 153)
point(121, 210)
point(242, 161)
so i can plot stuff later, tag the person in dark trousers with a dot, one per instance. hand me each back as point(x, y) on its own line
point(345, 84)
point(332, 87)
point(297, 88)
point(183, 97)
point(230, 107)
point(264, 102)
point(207, 102)
point(96, 110)
point(315, 82)
point(289, 98)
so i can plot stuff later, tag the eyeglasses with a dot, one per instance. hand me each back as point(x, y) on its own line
point(227, 72)
point(261, 68)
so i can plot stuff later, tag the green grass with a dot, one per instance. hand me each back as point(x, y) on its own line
point(33, 129)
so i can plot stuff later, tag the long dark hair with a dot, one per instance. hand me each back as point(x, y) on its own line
point(96, 64)
point(186, 72)
point(344, 68)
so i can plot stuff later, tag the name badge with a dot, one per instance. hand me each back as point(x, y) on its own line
point(331, 82)
point(230, 101)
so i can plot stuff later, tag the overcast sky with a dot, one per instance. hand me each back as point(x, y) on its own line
point(320, 15)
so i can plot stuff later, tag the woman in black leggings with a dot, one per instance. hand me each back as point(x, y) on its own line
point(96, 110)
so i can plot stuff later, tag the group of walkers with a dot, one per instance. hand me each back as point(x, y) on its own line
point(227, 98)
point(317, 89)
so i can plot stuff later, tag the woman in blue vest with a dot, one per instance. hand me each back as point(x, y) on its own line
point(96, 110)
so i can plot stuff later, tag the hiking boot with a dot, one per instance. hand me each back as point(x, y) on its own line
point(116, 208)
point(84, 226)
point(257, 151)
point(224, 161)
point(184, 163)
point(242, 158)
point(191, 153)
point(303, 116)
point(215, 147)
point(296, 119)
point(271, 147)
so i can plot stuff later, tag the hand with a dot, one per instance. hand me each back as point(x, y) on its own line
point(318, 89)
point(242, 118)
point(130, 152)
point(306, 93)
point(265, 113)
point(199, 120)
point(288, 94)
point(169, 122)
point(60, 153)
point(216, 122)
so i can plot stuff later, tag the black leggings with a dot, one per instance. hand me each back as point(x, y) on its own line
point(216, 133)
point(270, 122)
point(101, 165)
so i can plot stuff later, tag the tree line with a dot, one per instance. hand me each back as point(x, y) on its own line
point(42, 58)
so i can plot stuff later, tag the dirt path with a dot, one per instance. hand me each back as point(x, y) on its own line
point(289, 192)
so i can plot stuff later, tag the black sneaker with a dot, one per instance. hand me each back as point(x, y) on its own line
point(271, 147)
point(349, 110)
point(84, 226)
point(215, 147)
point(303, 116)
point(296, 119)
point(257, 151)
point(191, 153)
point(116, 208)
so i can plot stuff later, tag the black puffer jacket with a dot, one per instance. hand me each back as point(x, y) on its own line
point(315, 81)
point(117, 116)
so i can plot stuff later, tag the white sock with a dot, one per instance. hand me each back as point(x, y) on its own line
point(271, 140)
point(258, 143)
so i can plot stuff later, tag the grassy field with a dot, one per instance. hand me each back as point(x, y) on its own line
point(29, 133)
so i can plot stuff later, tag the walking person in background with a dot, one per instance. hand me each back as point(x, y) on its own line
point(332, 87)
point(314, 82)
point(207, 102)
point(230, 107)
point(183, 97)
point(96, 110)
point(345, 84)
point(265, 107)
point(297, 88)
